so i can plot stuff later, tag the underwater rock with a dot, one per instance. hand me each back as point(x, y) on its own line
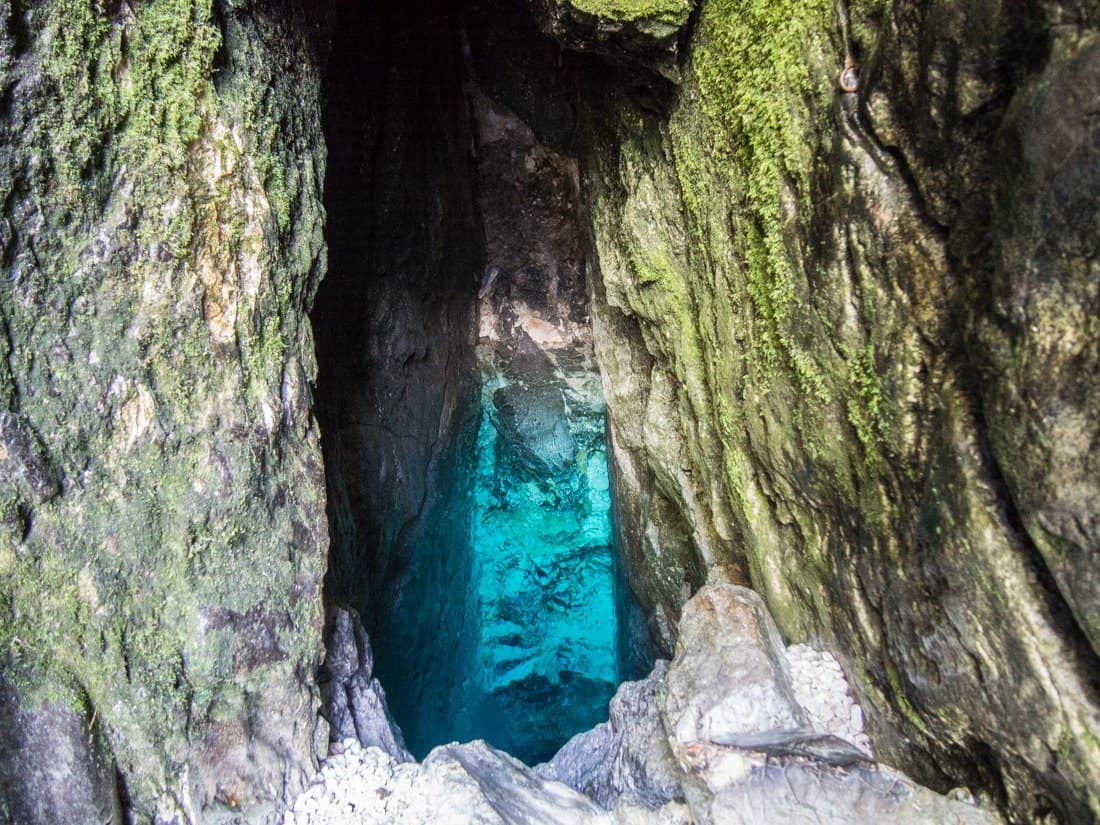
point(546, 601)
point(531, 421)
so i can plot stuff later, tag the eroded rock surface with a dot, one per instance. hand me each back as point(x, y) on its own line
point(848, 342)
point(162, 530)
point(634, 32)
point(55, 765)
point(713, 737)
point(354, 703)
point(626, 756)
point(397, 389)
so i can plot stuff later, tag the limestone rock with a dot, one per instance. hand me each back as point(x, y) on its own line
point(847, 356)
point(707, 740)
point(822, 691)
point(627, 755)
point(1039, 341)
point(740, 736)
point(397, 389)
point(162, 528)
point(354, 703)
point(728, 681)
point(798, 793)
point(629, 812)
point(644, 32)
point(454, 785)
point(531, 419)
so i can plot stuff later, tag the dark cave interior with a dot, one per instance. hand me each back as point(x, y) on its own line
point(470, 507)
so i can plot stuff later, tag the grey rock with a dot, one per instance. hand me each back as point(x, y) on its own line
point(354, 701)
point(741, 741)
point(470, 784)
point(22, 460)
point(710, 739)
point(628, 754)
point(822, 690)
point(728, 681)
point(55, 766)
point(796, 792)
point(631, 812)
point(514, 791)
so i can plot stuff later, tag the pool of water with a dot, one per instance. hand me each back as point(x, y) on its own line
point(525, 626)
point(541, 534)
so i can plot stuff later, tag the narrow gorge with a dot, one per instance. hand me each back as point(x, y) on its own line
point(549, 411)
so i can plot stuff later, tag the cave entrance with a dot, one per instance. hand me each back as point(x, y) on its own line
point(462, 420)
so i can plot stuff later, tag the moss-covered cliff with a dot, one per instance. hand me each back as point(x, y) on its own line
point(162, 529)
point(850, 348)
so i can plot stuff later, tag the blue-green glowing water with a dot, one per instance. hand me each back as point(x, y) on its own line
point(506, 626)
point(546, 657)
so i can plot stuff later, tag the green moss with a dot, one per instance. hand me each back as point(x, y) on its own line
point(753, 69)
point(864, 402)
point(901, 701)
point(673, 12)
point(137, 85)
point(108, 591)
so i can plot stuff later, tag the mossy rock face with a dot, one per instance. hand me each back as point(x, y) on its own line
point(822, 320)
point(632, 32)
point(162, 528)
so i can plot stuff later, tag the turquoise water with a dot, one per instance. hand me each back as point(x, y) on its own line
point(546, 657)
point(513, 624)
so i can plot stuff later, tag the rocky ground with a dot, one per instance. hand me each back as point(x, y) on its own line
point(735, 729)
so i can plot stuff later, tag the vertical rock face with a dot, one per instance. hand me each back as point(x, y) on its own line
point(849, 346)
point(162, 530)
point(395, 335)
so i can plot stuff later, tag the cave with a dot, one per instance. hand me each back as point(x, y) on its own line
point(688, 406)
point(463, 422)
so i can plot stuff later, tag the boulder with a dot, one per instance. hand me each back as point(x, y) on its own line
point(729, 680)
point(743, 742)
point(628, 754)
point(721, 728)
